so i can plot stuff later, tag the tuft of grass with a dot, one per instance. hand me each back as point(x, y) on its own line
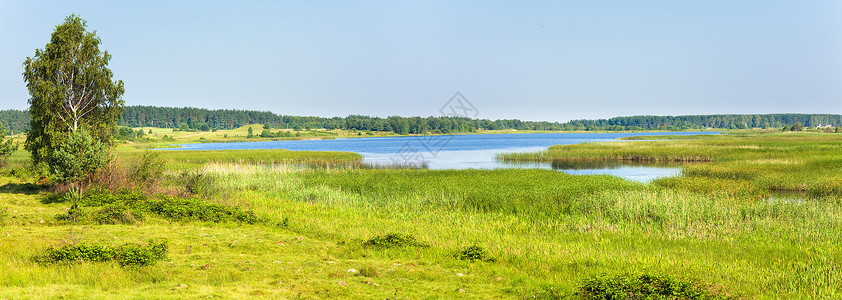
point(393, 240)
point(474, 253)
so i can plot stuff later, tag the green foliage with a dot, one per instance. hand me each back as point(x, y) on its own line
point(116, 214)
point(126, 207)
point(645, 286)
point(70, 89)
point(368, 271)
point(267, 134)
point(474, 253)
point(167, 138)
point(149, 170)
point(251, 133)
point(125, 255)
point(79, 157)
point(6, 146)
point(393, 240)
point(179, 209)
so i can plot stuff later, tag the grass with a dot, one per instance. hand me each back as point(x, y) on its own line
point(756, 164)
point(187, 159)
point(536, 232)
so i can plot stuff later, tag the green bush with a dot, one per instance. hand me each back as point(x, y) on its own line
point(194, 209)
point(127, 207)
point(6, 146)
point(474, 253)
point(149, 169)
point(116, 214)
point(645, 286)
point(125, 255)
point(79, 157)
point(393, 240)
point(196, 183)
point(100, 197)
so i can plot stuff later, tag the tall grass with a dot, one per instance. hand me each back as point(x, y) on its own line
point(754, 163)
point(550, 228)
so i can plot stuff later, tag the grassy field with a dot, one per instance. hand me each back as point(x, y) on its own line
point(544, 233)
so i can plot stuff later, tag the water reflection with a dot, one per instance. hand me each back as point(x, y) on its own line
point(636, 171)
point(793, 197)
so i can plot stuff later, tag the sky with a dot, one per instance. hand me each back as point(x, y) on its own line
point(528, 60)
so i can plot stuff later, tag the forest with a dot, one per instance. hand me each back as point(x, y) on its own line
point(17, 121)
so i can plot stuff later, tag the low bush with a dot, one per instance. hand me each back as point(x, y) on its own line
point(127, 207)
point(393, 240)
point(645, 286)
point(125, 255)
point(194, 209)
point(196, 183)
point(474, 253)
point(116, 214)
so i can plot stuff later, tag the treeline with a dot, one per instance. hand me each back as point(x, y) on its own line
point(16, 121)
point(203, 119)
point(195, 118)
point(710, 121)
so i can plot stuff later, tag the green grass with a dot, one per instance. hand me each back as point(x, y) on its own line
point(754, 163)
point(186, 159)
point(543, 233)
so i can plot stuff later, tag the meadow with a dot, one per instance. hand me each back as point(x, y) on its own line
point(319, 225)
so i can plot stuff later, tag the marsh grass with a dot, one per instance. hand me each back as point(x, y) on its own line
point(750, 164)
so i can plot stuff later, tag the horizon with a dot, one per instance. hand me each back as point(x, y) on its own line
point(540, 61)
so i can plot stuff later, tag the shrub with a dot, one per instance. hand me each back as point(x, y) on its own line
point(196, 183)
point(6, 146)
point(194, 209)
point(116, 214)
point(474, 253)
point(127, 207)
point(149, 169)
point(112, 176)
point(79, 158)
point(645, 286)
point(393, 240)
point(125, 255)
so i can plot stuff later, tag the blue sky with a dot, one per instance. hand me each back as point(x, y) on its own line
point(531, 60)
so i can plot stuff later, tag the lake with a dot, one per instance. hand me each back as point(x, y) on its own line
point(470, 151)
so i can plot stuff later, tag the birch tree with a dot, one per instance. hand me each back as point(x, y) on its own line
point(70, 89)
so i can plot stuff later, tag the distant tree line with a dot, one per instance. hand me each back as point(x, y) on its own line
point(710, 121)
point(15, 121)
point(188, 118)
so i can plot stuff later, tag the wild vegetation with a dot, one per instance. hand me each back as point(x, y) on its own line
point(464, 233)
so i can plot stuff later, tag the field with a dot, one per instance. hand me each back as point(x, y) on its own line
point(722, 226)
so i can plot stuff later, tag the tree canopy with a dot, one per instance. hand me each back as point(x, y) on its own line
point(189, 118)
point(70, 88)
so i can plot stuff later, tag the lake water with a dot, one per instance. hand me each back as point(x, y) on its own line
point(473, 151)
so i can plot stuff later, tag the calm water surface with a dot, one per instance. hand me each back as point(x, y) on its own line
point(474, 151)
